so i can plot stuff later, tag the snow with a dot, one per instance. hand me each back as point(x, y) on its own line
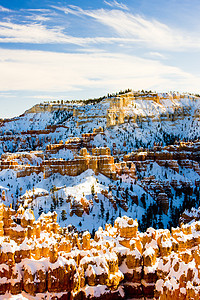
point(33, 266)
point(18, 228)
point(28, 215)
point(61, 262)
point(25, 245)
point(77, 186)
point(136, 253)
point(98, 267)
point(149, 252)
point(99, 290)
point(183, 290)
point(3, 188)
point(152, 269)
point(154, 128)
point(64, 154)
point(124, 222)
point(166, 244)
point(60, 192)
point(159, 285)
point(7, 246)
point(164, 267)
point(38, 192)
point(25, 296)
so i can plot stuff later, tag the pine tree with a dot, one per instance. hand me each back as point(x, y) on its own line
point(107, 216)
point(40, 210)
point(92, 190)
point(143, 200)
point(51, 208)
point(61, 201)
point(102, 209)
point(63, 215)
point(126, 191)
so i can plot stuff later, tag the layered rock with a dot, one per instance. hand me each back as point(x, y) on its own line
point(122, 107)
point(183, 154)
point(119, 263)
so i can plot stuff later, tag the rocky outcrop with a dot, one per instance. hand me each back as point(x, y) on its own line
point(190, 215)
point(119, 263)
point(184, 154)
point(50, 107)
point(122, 107)
point(100, 160)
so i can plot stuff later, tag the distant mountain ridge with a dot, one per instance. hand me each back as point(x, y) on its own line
point(130, 120)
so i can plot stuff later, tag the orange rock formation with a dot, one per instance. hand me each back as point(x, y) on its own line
point(119, 263)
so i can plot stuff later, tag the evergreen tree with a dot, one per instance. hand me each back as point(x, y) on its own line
point(63, 215)
point(51, 208)
point(102, 209)
point(126, 191)
point(107, 216)
point(61, 201)
point(143, 200)
point(40, 210)
point(92, 190)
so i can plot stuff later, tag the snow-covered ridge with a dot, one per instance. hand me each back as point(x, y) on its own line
point(130, 120)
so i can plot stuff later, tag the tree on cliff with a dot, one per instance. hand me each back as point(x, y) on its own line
point(102, 209)
point(63, 215)
point(92, 190)
point(40, 210)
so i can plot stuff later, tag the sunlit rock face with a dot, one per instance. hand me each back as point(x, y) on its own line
point(132, 106)
point(38, 258)
point(99, 160)
point(119, 263)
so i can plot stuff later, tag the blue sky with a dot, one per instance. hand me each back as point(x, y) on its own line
point(80, 49)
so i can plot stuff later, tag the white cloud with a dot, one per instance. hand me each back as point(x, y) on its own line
point(116, 4)
point(30, 33)
point(48, 97)
point(6, 95)
point(71, 9)
point(157, 55)
point(40, 18)
point(4, 9)
point(35, 33)
point(40, 10)
point(124, 27)
point(148, 32)
point(39, 71)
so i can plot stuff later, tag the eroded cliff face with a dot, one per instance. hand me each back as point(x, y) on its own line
point(142, 106)
point(40, 257)
point(167, 116)
point(99, 160)
point(149, 182)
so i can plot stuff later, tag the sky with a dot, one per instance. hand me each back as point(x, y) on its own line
point(79, 49)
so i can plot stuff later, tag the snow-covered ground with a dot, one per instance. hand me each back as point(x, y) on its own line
point(41, 195)
point(152, 127)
